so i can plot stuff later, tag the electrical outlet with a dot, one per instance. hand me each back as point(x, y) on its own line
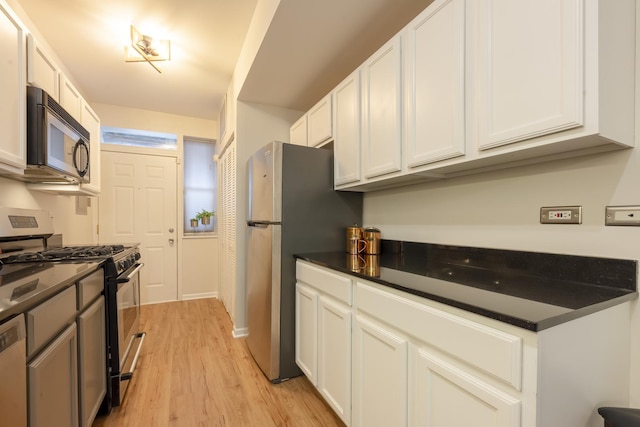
point(622, 215)
point(561, 215)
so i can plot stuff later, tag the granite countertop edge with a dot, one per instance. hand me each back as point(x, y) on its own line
point(49, 293)
point(521, 322)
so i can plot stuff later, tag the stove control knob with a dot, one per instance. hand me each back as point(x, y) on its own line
point(137, 256)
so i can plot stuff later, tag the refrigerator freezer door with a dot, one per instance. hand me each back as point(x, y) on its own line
point(265, 184)
point(263, 297)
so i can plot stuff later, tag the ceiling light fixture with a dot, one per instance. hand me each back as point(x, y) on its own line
point(144, 48)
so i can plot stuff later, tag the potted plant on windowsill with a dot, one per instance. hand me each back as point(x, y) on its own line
point(204, 216)
point(194, 222)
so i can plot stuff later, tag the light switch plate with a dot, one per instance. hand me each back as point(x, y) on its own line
point(622, 215)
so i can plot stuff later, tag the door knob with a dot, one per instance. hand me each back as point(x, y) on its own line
point(171, 241)
point(171, 230)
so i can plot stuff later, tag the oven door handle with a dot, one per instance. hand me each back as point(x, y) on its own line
point(130, 275)
point(128, 375)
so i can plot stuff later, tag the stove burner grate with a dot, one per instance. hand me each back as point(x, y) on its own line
point(66, 253)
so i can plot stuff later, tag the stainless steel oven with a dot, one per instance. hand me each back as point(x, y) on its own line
point(129, 337)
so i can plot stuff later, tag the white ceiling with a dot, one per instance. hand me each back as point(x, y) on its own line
point(309, 47)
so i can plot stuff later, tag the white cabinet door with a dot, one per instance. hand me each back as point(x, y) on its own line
point(382, 111)
point(298, 131)
point(70, 98)
point(319, 126)
point(529, 69)
point(346, 130)
point(53, 383)
point(13, 152)
point(92, 353)
point(42, 71)
point(445, 395)
point(91, 122)
point(334, 356)
point(380, 370)
point(307, 331)
point(434, 77)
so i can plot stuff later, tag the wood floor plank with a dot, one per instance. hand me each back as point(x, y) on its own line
point(192, 372)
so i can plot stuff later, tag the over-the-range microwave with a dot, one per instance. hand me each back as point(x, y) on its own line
point(57, 145)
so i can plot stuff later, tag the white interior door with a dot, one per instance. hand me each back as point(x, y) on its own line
point(138, 204)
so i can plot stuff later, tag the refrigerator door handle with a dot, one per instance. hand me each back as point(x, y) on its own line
point(261, 224)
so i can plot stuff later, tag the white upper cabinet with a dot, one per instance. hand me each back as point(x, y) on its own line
point(319, 126)
point(434, 81)
point(553, 72)
point(480, 85)
point(298, 131)
point(346, 130)
point(530, 69)
point(12, 87)
point(42, 70)
point(70, 98)
point(382, 110)
point(91, 122)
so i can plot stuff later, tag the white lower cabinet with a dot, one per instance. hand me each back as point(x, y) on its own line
point(323, 334)
point(307, 331)
point(53, 385)
point(334, 355)
point(417, 362)
point(440, 389)
point(380, 368)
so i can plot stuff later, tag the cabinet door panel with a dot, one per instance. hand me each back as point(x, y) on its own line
point(91, 122)
point(92, 361)
point(334, 356)
point(53, 383)
point(346, 144)
point(379, 376)
point(307, 331)
point(319, 127)
point(70, 98)
point(298, 132)
point(529, 84)
point(13, 152)
point(441, 390)
point(381, 110)
point(42, 71)
point(434, 83)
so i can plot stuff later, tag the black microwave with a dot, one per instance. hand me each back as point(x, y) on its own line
point(57, 145)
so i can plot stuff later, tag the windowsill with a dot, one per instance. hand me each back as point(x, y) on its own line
point(201, 235)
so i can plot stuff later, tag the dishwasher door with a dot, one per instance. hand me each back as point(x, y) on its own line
point(13, 360)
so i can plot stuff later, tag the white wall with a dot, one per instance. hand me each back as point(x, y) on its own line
point(76, 228)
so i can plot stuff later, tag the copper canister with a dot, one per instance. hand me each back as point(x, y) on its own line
point(355, 243)
point(371, 236)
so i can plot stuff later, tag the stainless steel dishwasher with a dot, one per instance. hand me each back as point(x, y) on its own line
point(13, 385)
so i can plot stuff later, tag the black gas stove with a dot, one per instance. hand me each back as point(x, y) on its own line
point(118, 258)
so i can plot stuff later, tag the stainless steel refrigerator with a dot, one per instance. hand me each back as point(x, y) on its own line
point(292, 209)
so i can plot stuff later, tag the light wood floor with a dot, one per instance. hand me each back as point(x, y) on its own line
point(192, 372)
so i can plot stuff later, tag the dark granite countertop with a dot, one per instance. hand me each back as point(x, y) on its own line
point(26, 285)
point(531, 290)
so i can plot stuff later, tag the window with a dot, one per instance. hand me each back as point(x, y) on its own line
point(200, 185)
point(139, 138)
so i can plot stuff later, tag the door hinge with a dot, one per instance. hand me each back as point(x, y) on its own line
point(97, 228)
